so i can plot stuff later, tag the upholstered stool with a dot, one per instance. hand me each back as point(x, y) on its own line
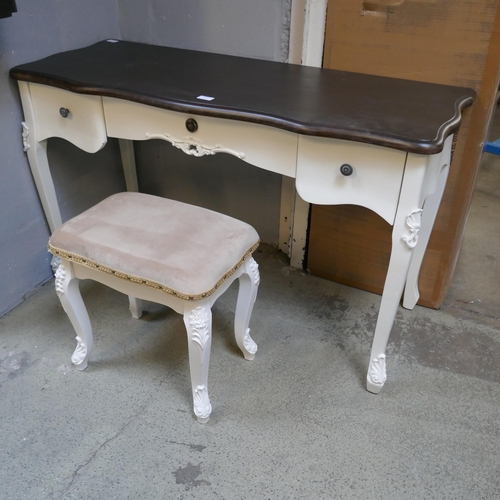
point(151, 248)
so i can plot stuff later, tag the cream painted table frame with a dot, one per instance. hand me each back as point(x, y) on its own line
point(404, 188)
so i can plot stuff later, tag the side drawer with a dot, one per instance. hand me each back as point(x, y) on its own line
point(266, 147)
point(84, 124)
point(374, 183)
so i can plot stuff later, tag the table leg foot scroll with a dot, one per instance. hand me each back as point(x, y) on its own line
point(377, 375)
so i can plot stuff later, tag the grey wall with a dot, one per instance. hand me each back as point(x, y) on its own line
point(42, 27)
point(38, 29)
point(257, 28)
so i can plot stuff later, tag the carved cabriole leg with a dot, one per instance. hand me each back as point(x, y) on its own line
point(198, 321)
point(249, 284)
point(68, 292)
point(431, 207)
point(37, 158)
point(404, 236)
point(39, 165)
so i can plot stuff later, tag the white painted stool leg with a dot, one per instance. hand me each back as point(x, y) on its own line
point(68, 291)
point(135, 306)
point(198, 321)
point(249, 284)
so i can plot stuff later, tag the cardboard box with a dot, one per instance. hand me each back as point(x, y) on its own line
point(455, 42)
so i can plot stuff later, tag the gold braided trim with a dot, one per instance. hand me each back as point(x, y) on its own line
point(78, 259)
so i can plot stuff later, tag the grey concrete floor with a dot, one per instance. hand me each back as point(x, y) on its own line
point(295, 423)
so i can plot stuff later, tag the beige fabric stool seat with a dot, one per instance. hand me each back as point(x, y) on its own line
point(156, 249)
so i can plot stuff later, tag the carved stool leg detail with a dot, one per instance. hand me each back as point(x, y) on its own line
point(249, 284)
point(68, 291)
point(54, 263)
point(198, 323)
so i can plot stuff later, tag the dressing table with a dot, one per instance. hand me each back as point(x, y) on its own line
point(346, 138)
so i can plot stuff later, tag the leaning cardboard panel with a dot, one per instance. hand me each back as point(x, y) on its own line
point(454, 42)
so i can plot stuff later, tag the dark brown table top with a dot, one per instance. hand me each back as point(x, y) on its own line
point(401, 114)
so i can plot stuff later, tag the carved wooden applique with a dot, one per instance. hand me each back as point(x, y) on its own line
point(194, 147)
point(413, 222)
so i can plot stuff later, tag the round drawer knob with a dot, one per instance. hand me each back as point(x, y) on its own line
point(64, 112)
point(191, 125)
point(346, 170)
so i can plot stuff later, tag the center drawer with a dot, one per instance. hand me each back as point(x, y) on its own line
point(338, 172)
point(266, 147)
